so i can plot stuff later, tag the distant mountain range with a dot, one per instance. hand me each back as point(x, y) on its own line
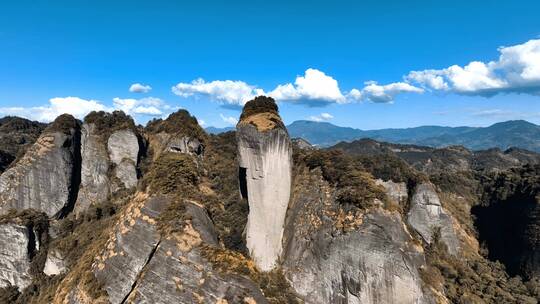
point(503, 135)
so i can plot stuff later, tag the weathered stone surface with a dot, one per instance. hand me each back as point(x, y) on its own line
point(16, 241)
point(426, 214)
point(123, 147)
point(45, 178)
point(94, 187)
point(185, 145)
point(54, 264)
point(369, 259)
point(265, 159)
point(130, 246)
point(397, 192)
point(178, 273)
point(99, 155)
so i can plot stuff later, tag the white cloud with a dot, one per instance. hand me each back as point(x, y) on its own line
point(516, 70)
point(229, 119)
point(321, 117)
point(225, 91)
point(201, 122)
point(139, 88)
point(145, 106)
point(382, 93)
point(79, 108)
point(57, 106)
point(313, 86)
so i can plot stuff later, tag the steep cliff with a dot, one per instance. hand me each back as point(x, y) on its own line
point(46, 178)
point(110, 153)
point(265, 168)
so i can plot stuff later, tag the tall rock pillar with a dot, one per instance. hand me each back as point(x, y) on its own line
point(265, 170)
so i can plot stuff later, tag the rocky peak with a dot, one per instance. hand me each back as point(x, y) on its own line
point(110, 153)
point(265, 168)
point(45, 178)
point(179, 133)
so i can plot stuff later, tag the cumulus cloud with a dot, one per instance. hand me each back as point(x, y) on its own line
point(229, 92)
point(145, 106)
point(516, 70)
point(139, 88)
point(79, 108)
point(229, 119)
point(382, 93)
point(314, 88)
point(75, 106)
point(321, 117)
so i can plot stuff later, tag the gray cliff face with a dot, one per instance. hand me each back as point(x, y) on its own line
point(332, 257)
point(133, 241)
point(426, 215)
point(44, 179)
point(16, 243)
point(120, 153)
point(265, 160)
point(123, 147)
point(185, 276)
point(139, 265)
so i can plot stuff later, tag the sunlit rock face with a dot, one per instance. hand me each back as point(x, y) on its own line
point(369, 258)
point(109, 160)
point(45, 178)
point(265, 164)
point(123, 147)
point(16, 244)
point(426, 215)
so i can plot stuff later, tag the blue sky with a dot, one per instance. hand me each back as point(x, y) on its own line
point(316, 58)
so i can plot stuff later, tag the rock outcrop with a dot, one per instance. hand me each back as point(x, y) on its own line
point(397, 192)
point(360, 257)
point(110, 151)
point(16, 243)
point(265, 160)
point(426, 216)
point(46, 178)
point(54, 264)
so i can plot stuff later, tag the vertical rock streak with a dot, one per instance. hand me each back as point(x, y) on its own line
point(267, 158)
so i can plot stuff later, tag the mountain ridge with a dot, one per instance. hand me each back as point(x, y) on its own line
point(503, 135)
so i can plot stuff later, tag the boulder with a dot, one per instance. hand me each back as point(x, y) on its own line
point(55, 263)
point(426, 215)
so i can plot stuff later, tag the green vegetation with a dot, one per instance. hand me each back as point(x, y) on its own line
point(179, 122)
point(173, 173)
point(275, 287)
point(475, 280)
point(261, 104)
point(356, 187)
point(64, 123)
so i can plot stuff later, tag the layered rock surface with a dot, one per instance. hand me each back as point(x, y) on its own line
point(45, 179)
point(265, 160)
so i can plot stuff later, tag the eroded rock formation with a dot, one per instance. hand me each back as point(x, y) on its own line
point(426, 216)
point(265, 160)
point(109, 150)
point(46, 178)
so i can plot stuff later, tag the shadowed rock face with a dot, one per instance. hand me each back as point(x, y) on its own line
point(265, 160)
point(426, 215)
point(45, 179)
